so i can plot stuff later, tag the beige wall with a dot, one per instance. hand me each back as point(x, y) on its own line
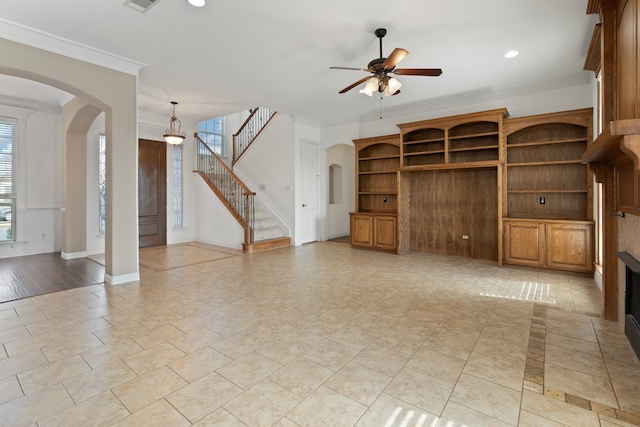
point(115, 93)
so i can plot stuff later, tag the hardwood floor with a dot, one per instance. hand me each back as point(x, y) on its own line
point(28, 276)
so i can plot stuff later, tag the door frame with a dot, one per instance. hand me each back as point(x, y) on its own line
point(300, 192)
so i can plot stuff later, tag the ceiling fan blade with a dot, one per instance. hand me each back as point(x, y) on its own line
point(348, 88)
point(348, 68)
point(433, 72)
point(396, 56)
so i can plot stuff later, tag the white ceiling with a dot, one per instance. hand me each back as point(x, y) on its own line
point(233, 55)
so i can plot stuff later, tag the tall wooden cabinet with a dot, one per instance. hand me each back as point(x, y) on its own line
point(547, 197)
point(480, 185)
point(374, 223)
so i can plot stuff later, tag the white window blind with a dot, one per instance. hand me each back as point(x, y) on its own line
point(7, 181)
point(7, 138)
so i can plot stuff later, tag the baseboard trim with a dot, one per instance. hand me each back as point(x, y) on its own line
point(123, 278)
point(73, 255)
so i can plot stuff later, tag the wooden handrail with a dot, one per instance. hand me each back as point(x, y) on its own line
point(227, 168)
point(236, 156)
point(253, 113)
point(231, 191)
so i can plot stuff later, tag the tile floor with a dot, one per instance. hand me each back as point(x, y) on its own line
point(318, 335)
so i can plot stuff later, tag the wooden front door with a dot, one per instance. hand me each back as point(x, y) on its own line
point(152, 193)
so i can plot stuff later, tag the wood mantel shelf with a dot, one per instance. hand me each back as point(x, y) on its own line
point(619, 138)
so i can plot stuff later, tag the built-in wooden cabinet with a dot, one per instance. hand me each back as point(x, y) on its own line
point(565, 245)
point(374, 231)
point(549, 188)
point(545, 176)
point(480, 185)
point(466, 138)
point(524, 242)
point(377, 163)
point(374, 224)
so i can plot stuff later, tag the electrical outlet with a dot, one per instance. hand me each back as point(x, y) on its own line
point(465, 237)
point(542, 200)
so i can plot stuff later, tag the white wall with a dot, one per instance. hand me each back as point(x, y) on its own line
point(268, 168)
point(38, 181)
point(213, 222)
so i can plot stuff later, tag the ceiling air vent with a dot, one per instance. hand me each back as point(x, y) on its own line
point(140, 5)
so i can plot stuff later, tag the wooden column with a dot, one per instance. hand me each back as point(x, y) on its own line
point(609, 19)
point(605, 174)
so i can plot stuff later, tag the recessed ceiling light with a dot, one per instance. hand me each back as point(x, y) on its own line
point(511, 54)
point(197, 3)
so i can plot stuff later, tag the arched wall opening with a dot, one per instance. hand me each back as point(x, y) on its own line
point(115, 93)
point(340, 160)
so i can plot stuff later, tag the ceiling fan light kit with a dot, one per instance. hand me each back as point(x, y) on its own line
point(382, 67)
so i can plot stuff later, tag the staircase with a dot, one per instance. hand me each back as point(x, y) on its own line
point(260, 231)
point(266, 233)
point(249, 131)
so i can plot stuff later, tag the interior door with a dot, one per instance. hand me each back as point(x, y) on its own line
point(310, 191)
point(152, 193)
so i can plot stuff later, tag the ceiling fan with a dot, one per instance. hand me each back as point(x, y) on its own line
point(382, 67)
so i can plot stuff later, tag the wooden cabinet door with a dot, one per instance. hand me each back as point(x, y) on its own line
point(569, 246)
point(362, 230)
point(385, 233)
point(524, 243)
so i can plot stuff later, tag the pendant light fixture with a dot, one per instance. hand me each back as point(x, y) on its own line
point(174, 136)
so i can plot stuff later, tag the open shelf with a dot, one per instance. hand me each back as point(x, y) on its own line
point(558, 162)
point(546, 143)
point(395, 156)
point(481, 147)
point(544, 191)
point(544, 161)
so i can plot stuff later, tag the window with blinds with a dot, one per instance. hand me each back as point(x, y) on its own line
point(7, 181)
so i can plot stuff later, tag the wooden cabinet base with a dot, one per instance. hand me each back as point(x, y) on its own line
point(562, 245)
point(374, 231)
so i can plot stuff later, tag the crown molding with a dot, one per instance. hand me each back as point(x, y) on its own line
point(29, 36)
point(306, 120)
point(16, 112)
point(468, 98)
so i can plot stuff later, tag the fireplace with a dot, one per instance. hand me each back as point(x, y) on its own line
point(632, 300)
